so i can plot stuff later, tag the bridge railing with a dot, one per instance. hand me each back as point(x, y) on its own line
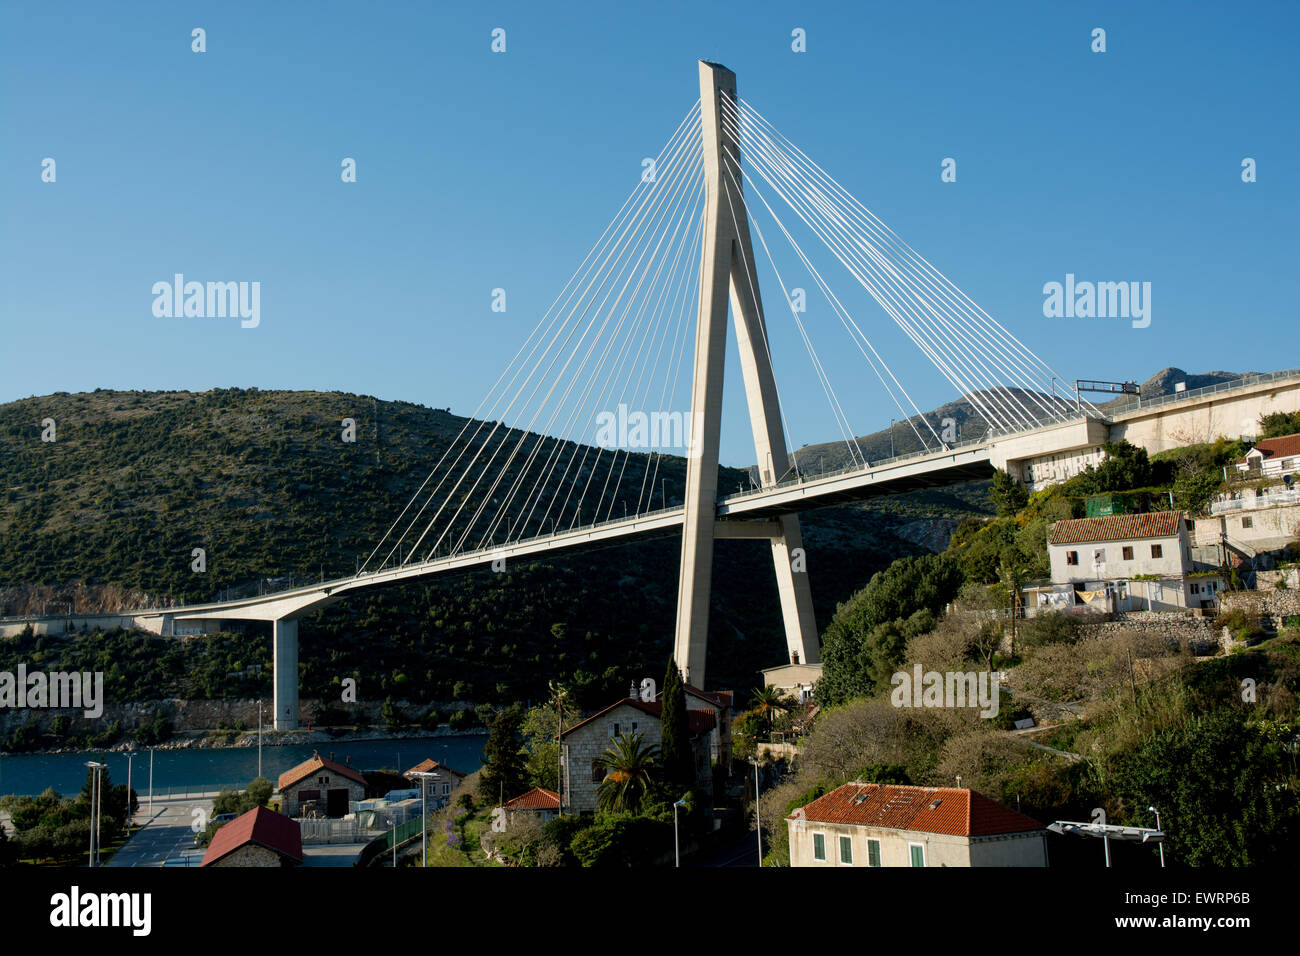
point(880, 463)
point(1251, 379)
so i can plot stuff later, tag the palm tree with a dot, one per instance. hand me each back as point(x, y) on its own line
point(627, 765)
point(767, 702)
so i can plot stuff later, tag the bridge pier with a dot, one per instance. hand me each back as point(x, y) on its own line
point(284, 651)
point(728, 274)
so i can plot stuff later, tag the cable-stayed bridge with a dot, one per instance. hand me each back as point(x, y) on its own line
point(552, 461)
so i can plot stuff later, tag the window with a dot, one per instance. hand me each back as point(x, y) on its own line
point(819, 846)
point(446, 789)
point(1248, 522)
point(615, 734)
point(1157, 551)
point(918, 853)
point(597, 774)
point(1128, 553)
point(846, 850)
point(873, 853)
point(1196, 588)
point(1072, 557)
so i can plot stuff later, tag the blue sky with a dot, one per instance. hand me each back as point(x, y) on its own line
point(479, 170)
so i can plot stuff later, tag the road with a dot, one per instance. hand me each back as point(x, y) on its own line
point(167, 835)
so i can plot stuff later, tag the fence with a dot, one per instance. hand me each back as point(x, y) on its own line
point(334, 831)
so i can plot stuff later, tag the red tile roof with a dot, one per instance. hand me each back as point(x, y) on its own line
point(261, 827)
point(310, 766)
point(718, 698)
point(1282, 447)
point(1156, 524)
point(697, 721)
point(429, 766)
point(538, 798)
point(947, 810)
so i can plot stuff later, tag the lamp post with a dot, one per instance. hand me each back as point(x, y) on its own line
point(96, 786)
point(425, 775)
point(392, 822)
point(130, 755)
point(1162, 842)
point(259, 737)
point(151, 750)
point(677, 850)
point(758, 823)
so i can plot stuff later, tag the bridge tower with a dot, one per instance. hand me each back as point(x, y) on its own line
point(727, 273)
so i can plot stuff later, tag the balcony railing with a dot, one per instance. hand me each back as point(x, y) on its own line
point(1253, 502)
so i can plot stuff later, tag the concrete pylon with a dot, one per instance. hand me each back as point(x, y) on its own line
point(727, 273)
point(284, 668)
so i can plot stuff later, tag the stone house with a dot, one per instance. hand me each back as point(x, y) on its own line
point(583, 743)
point(876, 825)
point(440, 789)
point(260, 837)
point(718, 703)
point(321, 786)
point(537, 804)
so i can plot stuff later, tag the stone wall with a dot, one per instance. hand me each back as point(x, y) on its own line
point(1278, 604)
point(250, 855)
point(1197, 633)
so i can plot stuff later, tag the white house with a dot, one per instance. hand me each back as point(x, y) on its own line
point(1272, 458)
point(1125, 563)
point(871, 824)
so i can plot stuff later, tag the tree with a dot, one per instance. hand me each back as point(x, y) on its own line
point(1009, 496)
point(1219, 782)
point(858, 651)
point(1277, 424)
point(391, 714)
point(678, 760)
point(505, 763)
point(628, 766)
point(768, 702)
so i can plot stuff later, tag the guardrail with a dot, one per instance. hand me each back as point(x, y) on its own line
point(1253, 379)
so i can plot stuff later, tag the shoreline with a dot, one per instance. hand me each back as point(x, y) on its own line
point(239, 740)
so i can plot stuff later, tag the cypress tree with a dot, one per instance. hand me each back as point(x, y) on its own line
point(505, 766)
point(675, 748)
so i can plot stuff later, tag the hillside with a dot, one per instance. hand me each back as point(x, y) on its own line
point(262, 482)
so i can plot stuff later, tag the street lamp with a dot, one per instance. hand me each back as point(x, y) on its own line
point(1162, 842)
point(424, 776)
point(151, 750)
point(130, 754)
point(1108, 832)
point(95, 787)
point(392, 822)
point(758, 824)
point(259, 736)
point(677, 850)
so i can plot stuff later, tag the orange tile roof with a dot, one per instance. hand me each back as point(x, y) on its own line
point(1282, 447)
point(1156, 524)
point(314, 763)
point(430, 765)
point(261, 827)
point(947, 810)
point(538, 798)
